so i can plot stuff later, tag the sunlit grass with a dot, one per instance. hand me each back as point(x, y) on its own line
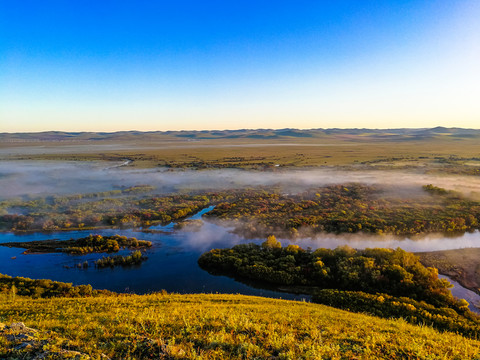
point(225, 327)
point(247, 152)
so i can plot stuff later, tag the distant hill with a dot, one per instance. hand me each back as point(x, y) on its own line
point(347, 134)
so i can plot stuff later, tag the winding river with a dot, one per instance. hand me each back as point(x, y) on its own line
point(172, 260)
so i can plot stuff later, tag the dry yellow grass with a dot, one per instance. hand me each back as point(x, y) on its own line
point(326, 151)
point(161, 326)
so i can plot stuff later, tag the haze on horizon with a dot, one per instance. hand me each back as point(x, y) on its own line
point(110, 66)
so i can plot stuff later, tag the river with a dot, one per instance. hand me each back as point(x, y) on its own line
point(171, 265)
point(172, 260)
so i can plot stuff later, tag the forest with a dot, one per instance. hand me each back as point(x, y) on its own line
point(44, 288)
point(349, 208)
point(384, 282)
point(127, 209)
point(258, 212)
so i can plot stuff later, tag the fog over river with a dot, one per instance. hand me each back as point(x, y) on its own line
point(172, 261)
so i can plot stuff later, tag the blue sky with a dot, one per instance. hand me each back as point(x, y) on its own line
point(169, 65)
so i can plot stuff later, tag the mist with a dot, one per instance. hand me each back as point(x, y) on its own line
point(220, 234)
point(40, 178)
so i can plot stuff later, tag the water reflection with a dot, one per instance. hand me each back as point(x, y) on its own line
point(462, 293)
point(172, 263)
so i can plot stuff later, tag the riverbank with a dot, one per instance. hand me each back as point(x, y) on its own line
point(462, 265)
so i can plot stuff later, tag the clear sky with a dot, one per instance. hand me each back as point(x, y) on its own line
point(170, 65)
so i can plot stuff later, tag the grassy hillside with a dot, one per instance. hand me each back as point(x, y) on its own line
point(161, 326)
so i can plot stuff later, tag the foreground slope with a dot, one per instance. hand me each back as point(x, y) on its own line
point(217, 327)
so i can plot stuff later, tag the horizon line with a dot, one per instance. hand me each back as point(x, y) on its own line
point(236, 129)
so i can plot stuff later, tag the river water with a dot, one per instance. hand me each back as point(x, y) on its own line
point(172, 260)
point(171, 265)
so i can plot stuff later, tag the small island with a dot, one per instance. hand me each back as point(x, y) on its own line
point(85, 245)
point(135, 258)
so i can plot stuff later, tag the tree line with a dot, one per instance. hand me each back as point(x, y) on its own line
point(85, 245)
point(384, 282)
point(347, 208)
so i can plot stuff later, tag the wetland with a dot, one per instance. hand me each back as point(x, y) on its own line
point(184, 198)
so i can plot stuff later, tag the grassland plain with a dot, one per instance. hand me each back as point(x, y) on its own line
point(216, 326)
point(258, 149)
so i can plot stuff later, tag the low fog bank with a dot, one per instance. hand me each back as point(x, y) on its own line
point(431, 242)
point(219, 234)
point(19, 178)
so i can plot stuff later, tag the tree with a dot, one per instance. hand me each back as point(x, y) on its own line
point(271, 243)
